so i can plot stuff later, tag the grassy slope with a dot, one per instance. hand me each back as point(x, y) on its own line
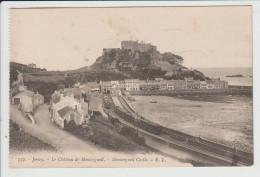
point(107, 135)
point(22, 141)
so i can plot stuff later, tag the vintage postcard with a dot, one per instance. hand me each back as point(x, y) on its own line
point(131, 87)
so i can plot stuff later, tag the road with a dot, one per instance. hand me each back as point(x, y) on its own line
point(48, 132)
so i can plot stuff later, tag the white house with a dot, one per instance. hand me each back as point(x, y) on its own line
point(27, 100)
point(75, 108)
point(67, 114)
point(203, 85)
point(170, 85)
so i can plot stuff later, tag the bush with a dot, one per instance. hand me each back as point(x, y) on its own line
point(70, 126)
point(128, 132)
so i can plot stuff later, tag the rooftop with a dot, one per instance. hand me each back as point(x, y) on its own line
point(26, 92)
point(62, 112)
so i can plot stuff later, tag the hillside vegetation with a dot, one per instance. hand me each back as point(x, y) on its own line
point(14, 67)
point(144, 65)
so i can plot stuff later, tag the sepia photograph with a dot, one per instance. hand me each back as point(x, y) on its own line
point(131, 87)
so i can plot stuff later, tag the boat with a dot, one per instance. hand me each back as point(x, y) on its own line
point(153, 101)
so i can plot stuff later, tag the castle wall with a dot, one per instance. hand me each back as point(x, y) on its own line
point(134, 45)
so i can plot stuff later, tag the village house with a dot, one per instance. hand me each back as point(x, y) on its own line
point(27, 100)
point(153, 84)
point(163, 84)
point(67, 114)
point(223, 84)
point(203, 85)
point(105, 86)
point(64, 99)
point(180, 85)
point(68, 105)
point(122, 85)
point(86, 92)
point(84, 89)
point(94, 87)
point(170, 85)
point(216, 83)
point(219, 84)
point(115, 87)
point(132, 84)
point(189, 82)
point(143, 85)
point(196, 84)
point(210, 84)
point(112, 87)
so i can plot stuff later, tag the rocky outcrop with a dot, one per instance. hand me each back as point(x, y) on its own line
point(144, 65)
point(122, 59)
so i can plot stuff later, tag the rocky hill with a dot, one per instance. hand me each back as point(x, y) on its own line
point(144, 65)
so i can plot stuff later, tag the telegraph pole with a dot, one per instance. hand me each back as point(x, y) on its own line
point(137, 121)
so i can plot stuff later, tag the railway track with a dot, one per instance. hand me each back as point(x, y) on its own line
point(199, 145)
point(221, 152)
point(175, 144)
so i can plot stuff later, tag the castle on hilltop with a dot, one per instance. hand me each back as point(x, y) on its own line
point(135, 45)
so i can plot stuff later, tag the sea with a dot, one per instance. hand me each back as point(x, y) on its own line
point(221, 73)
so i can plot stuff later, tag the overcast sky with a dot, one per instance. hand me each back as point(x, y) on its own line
point(70, 38)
